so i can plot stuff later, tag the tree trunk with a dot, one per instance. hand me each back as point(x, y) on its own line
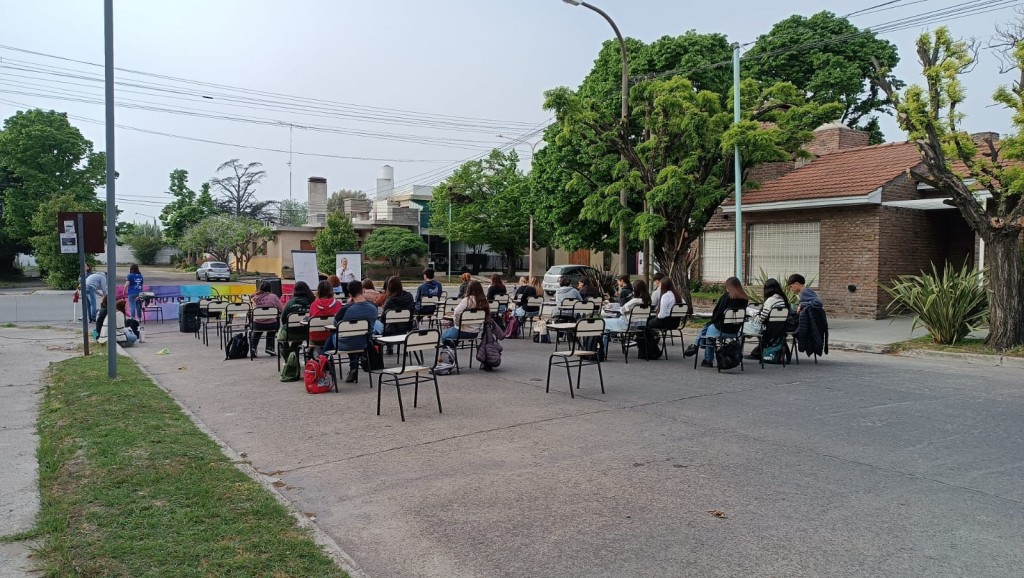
point(511, 257)
point(1005, 290)
point(673, 263)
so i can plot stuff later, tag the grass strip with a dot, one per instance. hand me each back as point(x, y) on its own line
point(964, 346)
point(130, 487)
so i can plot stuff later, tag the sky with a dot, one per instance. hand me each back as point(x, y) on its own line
point(454, 72)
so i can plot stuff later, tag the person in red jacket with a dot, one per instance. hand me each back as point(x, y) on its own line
point(325, 305)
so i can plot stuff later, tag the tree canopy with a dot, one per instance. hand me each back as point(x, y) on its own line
point(336, 202)
point(187, 208)
point(228, 238)
point(835, 65)
point(397, 246)
point(336, 236)
point(61, 270)
point(237, 189)
point(146, 240)
point(292, 213)
point(930, 114)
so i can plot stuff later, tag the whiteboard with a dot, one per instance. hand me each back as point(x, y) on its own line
point(304, 264)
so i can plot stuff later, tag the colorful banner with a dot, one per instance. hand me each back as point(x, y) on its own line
point(168, 297)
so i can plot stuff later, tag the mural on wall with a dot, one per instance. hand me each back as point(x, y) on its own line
point(167, 297)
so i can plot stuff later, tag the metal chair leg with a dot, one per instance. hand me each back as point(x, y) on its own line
point(600, 376)
point(398, 388)
point(437, 391)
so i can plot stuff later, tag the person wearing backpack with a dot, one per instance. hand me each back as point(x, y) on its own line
point(356, 309)
point(734, 298)
point(298, 305)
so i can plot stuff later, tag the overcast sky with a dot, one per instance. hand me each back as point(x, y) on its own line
point(482, 59)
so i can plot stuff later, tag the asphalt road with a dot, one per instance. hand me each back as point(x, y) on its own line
point(862, 465)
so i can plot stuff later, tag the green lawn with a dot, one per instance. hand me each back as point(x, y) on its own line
point(965, 346)
point(130, 487)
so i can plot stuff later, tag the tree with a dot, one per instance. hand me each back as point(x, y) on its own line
point(228, 238)
point(42, 156)
point(678, 154)
point(337, 235)
point(292, 213)
point(146, 240)
point(835, 66)
point(187, 208)
point(61, 270)
point(238, 189)
point(930, 115)
point(490, 206)
point(398, 246)
point(336, 202)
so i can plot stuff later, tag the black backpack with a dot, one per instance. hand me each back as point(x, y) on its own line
point(237, 348)
point(648, 347)
point(728, 353)
point(373, 360)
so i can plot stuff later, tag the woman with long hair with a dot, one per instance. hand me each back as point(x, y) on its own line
point(264, 297)
point(525, 291)
point(496, 288)
point(735, 297)
point(474, 299)
point(370, 292)
point(335, 282)
point(397, 298)
point(326, 304)
point(640, 297)
point(669, 298)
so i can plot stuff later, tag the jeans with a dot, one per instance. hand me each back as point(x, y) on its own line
point(135, 306)
point(453, 334)
point(130, 338)
point(709, 332)
point(90, 303)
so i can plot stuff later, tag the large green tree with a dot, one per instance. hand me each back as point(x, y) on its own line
point(954, 160)
point(187, 208)
point(61, 270)
point(228, 238)
point(834, 64)
point(336, 202)
point(292, 213)
point(42, 157)
point(677, 150)
point(398, 246)
point(491, 203)
point(236, 186)
point(336, 236)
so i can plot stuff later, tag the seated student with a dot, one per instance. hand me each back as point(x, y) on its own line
point(524, 292)
point(264, 298)
point(396, 298)
point(496, 287)
point(625, 290)
point(465, 277)
point(812, 331)
point(669, 298)
point(474, 299)
point(429, 288)
point(325, 305)
point(565, 291)
point(370, 293)
point(357, 308)
point(125, 334)
point(298, 305)
point(808, 298)
point(773, 297)
point(335, 282)
point(589, 291)
point(656, 292)
point(734, 298)
point(641, 297)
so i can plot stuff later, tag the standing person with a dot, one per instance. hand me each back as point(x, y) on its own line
point(397, 298)
point(336, 285)
point(369, 292)
point(626, 290)
point(357, 308)
point(264, 297)
point(429, 288)
point(734, 298)
point(302, 299)
point(496, 287)
point(132, 289)
point(95, 286)
point(808, 298)
point(474, 299)
point(465, 277)
point(325, 305)
point(345, 275)
point(656, 293)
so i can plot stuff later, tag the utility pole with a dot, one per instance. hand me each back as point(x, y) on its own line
point(108, 85)
point(533, 153)
point(290, 127)
point(736, 161)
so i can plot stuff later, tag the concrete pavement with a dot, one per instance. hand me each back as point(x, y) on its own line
point(860, 465)
point(24, 356)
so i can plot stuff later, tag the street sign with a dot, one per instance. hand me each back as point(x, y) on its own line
point(92, 230)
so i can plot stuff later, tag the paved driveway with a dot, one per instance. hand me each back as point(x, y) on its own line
point(862, 465)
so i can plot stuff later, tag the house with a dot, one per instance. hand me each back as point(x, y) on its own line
point(849, 219)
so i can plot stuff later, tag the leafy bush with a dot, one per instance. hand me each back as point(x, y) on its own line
point(949, 306)
point(336, 236)
point(755, 290)
point(604, 280)
point(397, 246)
point(146, 240)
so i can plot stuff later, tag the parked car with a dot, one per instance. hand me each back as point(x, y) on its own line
point(573, 272)
point(213, 270)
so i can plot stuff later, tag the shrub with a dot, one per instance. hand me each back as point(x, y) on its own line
point(755, 290)
point(949, 306)
point(146, 240)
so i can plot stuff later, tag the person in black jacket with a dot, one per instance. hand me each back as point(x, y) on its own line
point(397, 298)
point(625, 290)
point(734, 298)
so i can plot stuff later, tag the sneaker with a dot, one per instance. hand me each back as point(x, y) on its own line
point(352, 376)
point(271, 352)
point(691, 350)
point(706, 363)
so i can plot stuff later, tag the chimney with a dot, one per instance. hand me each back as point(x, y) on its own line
point(385, 182)
point(980, 137)
point(316, 202)
point(836, 136)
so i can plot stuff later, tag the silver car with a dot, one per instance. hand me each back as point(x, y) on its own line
point(573, 272)
point(213, 270)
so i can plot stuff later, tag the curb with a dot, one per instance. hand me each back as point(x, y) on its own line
point(320, 536)
point(878, 348)
point(976, 358)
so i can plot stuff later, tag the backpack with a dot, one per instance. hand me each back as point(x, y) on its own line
point(373, 360)
point(318, 375)
point(237, 348)
point(647, 347)
point(445, 361)
point(729, 353)
point(512, 327)
point(290, 371)
point(773, 352)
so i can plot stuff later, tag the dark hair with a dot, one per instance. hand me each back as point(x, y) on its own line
point(796, 278)
point(667, 286)
point(301, 289)
point(264, 287)
point(134, 268)
point(428, 273)
point(465, 277)
point(394, 285)
point(564, 281)
point(476, 291)
point(324, 290)
point(368, 284)
point(772, 287)
point(496, 282)
point(334, 280)
point(624, 279)
point(122, 306)
point(659, 276)
point(734, 289)
point(103, 303)
point(355, 288)
point(640, 292)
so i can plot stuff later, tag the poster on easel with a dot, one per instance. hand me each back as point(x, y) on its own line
point(304, 265)
point(349, 266)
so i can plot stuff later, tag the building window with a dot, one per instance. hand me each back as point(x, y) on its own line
point(718, 256)
point(781, 249)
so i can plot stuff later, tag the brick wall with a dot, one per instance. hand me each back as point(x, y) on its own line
point(832, 139)
point(766, 172)
point(902, 188)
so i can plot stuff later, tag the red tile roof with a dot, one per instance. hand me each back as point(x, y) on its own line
point(844, 173)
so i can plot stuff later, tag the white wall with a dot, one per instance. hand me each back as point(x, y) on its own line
point(124, 255)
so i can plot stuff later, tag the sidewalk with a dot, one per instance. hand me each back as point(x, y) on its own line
point(20, 393)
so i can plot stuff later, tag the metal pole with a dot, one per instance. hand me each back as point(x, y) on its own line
point(108, 69)
point(736, 161)
point(449, 235)
point(290, 127)
point(531, 246)
point(79, 227)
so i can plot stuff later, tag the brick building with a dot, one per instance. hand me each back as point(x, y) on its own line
point(848, 219)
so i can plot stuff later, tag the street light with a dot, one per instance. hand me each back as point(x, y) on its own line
point(623, 257)
point(533, 151)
